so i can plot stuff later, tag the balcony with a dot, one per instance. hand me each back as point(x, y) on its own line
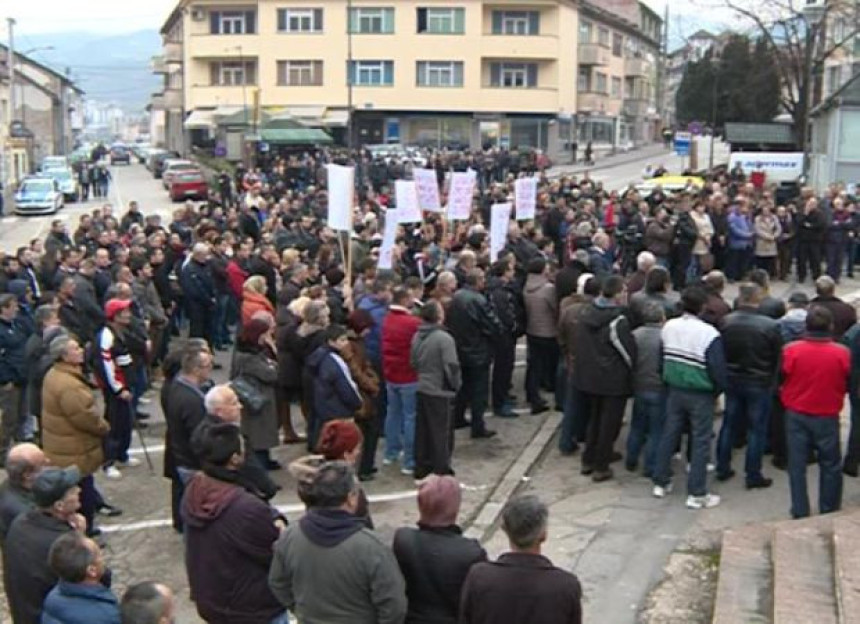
point(636, 67)
point(172, 99)
point(172, 52)
point(593, 54)
point(224, 46)
point(157, 101)
point(635, 107)
point(519, 47)
point(158, 65)
point(590, 101)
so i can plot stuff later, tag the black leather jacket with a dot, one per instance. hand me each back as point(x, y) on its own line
point(474, 324)
point(752, 344)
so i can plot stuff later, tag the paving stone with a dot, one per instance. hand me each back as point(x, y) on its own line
point(745, 587)
point(804, 589)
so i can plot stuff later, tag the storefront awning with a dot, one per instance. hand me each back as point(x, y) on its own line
point(335, 118)
point(295, 136)
point(200, 120)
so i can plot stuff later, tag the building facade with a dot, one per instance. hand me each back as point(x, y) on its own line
point(468, 73)
point(696, 46)
point(617, 75)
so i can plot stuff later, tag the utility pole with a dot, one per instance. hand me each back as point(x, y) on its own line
point(8, 179)
point(350, 127)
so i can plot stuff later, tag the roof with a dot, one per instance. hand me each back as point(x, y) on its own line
point(702, 34)
point(768, 133)
point(295, 136)
point(30, 61)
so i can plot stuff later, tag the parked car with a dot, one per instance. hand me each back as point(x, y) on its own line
point(67, 181)
point(120, 154)
point(38, 195)
point(50, 163)
point(156, 162)
point(188, 185)
point(140, 151)
point(171, 167)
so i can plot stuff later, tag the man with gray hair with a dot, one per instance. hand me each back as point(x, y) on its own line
point(328, 567)
point(522, 585)
point(198, 290)
point(148, 603)
point(22, 467)
point(645, 261)
point(844, 315)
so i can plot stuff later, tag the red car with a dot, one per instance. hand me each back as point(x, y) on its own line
point(189, 185)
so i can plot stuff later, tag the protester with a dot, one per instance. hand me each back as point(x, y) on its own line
point(541, 306)
point(844, 315)
point(522, 585)
point(23, 464)
point(435, 557)
point(147, 603)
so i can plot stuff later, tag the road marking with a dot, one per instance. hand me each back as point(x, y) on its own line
point(156, 448)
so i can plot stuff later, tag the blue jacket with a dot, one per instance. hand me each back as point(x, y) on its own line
point(741, 231)
point(75, 603)
point(335, 395)
point(13, 338)
point(373, 341)
point(198, 285)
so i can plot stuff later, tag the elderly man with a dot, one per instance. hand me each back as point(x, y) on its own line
point(329, 567)
point(844, 315)
point(27, 577)
point(645, 261)
point(198, 288)
point(522, 585)
point(446, 286)
point(23, 465)
point(148, 603)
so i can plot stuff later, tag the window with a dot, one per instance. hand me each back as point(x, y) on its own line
point(603, 36)
point(372, 73)
point(616, 87)
point(601, 86)
point(834, 75)
point(585, 32)
point(617, 44)
point(442, 21)
point(440, 74)
point(513, 75)
point(371, 21)
point(233, 22)
point(233, 73)
point(583, 82)
point(300, 73)
point(300, 20)
point(516, 22)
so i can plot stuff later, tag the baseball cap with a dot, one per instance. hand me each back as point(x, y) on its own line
point(115, 306)
point(53, 483)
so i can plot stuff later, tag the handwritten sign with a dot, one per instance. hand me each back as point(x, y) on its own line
point(341, 188)
point(460, 194)
point(386, 251)
point(428, 190)
point(406, 196)
point(500, 216)
point(525, 195)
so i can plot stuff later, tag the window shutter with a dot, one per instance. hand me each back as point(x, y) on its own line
point(214, 23)
point(497, 22)
point(388, 73)
point(422, 20)
point(531, 75)
point(250, 22)
point(388, 21)
point(353, 20)
point(318, 73)
point(250, 73)
point(318, 20)
point(282, 20)
point(459, 21)
point(495, 74)
point(350, 72)
point(534, 23)
point(458, 74)
point(214, 73)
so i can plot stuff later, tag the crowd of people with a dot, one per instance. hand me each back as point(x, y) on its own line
point(619, 299)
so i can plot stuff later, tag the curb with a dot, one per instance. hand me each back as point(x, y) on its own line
point(635, 155)
point(483, 526)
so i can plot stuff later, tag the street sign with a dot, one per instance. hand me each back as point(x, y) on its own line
point(682, 143)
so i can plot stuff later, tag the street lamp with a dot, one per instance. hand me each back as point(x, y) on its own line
point(813, 13)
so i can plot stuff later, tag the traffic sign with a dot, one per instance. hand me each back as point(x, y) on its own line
point(682, 143)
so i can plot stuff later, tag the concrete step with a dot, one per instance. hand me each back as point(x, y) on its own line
point(745, 586)
point(846, 544)
point(804, 589)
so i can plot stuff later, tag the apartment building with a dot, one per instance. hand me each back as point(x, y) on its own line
point(617, 76)
point(464, 73)
point(694, 49)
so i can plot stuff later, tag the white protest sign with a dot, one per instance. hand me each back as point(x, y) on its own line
point(388, 237)
point(500, 216)
point(406, 197)
point(525, 195)
point(341, 188)
point(428, 190)
point(460, 194)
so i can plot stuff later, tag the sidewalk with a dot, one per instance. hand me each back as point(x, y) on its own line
point(624, 158)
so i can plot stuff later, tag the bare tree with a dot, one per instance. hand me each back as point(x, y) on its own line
point(801, 48)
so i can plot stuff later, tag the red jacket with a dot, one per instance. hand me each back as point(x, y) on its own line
point(398, 328)
point(236, 277)
point(815, 372)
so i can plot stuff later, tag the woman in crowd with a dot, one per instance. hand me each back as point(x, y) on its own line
point(289, 366)
point(256, 364)
point(703, 261)
point(435, 557)
point(359, 323)
point(254, 298)
point(309, 337)
point(767, 236)
point(72, 427)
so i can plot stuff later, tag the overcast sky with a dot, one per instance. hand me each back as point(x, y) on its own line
point(115, 16)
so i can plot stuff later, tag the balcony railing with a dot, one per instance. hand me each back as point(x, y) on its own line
point(593, 54)
point(173, 52)
point(636, 67)
point(635, 107)
point(172, 99)
point(592, 101)
point(158, 65)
